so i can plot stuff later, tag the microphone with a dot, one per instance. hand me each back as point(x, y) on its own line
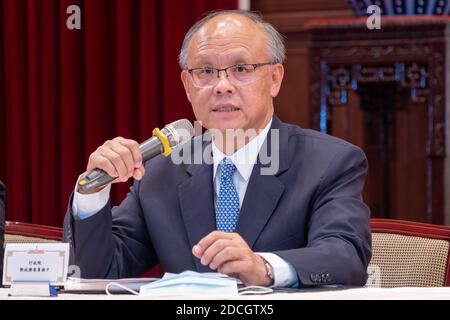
point(172, 135)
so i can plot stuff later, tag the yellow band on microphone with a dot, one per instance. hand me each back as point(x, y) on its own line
point(165, 142)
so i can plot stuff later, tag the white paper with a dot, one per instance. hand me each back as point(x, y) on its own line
point(36, 262)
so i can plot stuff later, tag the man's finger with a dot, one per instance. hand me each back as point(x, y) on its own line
point(232, 268)
point(204, 243)
point(99, 161)
point(133, 146)
point(125, 154)
point(226, 255)
point(216, 247)
point(139, 173)
point(116, 161)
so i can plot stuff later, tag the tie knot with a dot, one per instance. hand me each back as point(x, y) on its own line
point(228, 168)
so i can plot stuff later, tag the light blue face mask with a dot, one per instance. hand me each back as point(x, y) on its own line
point(190, 283)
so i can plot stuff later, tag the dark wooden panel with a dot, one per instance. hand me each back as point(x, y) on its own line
point(292, 22)
point(298, 5)
point(409, 162)
point(290, 17)
point(291, 105)
point(417, 162)
point(401, 84)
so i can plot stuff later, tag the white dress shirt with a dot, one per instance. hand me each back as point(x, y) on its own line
point(244, 159)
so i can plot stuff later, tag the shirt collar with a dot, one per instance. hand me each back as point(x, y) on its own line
point(245, 158)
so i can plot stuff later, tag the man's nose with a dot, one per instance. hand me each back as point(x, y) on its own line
point(223, 84)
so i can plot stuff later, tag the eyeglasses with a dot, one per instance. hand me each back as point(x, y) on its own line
point(238, 74)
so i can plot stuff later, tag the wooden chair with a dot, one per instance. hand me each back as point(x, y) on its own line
point(19, 232)
point(409, 254)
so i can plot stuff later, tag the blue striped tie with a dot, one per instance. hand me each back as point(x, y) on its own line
point(227, 203)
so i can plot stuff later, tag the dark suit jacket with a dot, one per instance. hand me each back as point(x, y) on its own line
point(2, 227)
point(310, 213)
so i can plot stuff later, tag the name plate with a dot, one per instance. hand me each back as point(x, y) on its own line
point(36, 262)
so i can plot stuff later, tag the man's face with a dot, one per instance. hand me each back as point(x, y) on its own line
point(225, 41)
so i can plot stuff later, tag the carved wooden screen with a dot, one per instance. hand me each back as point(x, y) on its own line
point(384, 90)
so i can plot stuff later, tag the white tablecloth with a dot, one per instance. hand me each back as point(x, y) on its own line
point(439, 293)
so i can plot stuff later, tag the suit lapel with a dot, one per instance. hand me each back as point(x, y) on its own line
point(196, 197)
point(261, 198)
point(263, 191)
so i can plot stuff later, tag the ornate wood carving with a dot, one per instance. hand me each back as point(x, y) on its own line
point(346, 56)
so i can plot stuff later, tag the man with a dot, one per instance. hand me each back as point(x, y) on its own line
point(2, 227)
point(305, 224)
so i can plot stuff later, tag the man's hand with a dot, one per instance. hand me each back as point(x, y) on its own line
point(119, 158)
point(228, 253)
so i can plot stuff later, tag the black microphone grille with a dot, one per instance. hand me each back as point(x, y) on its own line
point(182, 130)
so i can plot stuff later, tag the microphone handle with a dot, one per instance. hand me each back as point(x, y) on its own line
point(99, 178)
point(151, 148)
point(95, 179)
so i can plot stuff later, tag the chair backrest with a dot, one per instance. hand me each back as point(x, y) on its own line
point(19, 232)
point(409, 254)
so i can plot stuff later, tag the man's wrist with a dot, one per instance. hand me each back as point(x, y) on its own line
point(85, 205)
point(269, 271)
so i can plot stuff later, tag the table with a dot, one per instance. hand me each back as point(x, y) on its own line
point(431, 293)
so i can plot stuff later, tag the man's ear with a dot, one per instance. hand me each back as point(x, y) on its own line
point(277, 78)
point(185, 80)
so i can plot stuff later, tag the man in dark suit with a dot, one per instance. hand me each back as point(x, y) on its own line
point(2, 227)
point(300, 222)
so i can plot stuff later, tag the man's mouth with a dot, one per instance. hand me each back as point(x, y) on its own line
point(225, 108)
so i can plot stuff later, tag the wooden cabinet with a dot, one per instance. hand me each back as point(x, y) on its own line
point(387, 91)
